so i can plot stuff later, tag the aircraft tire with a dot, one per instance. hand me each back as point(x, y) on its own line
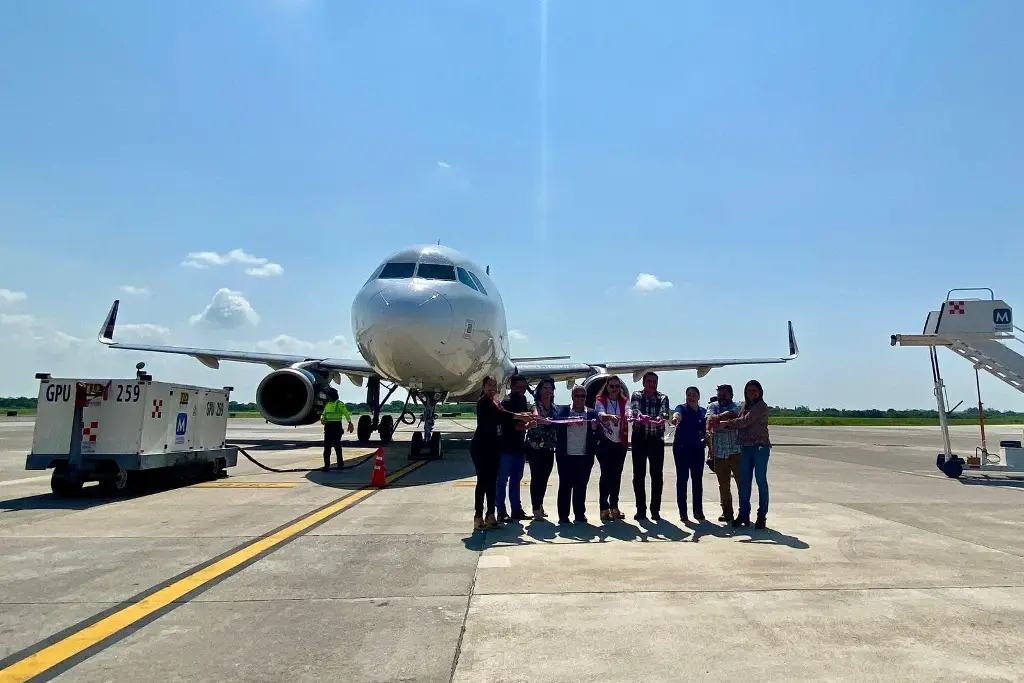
point(364, 428)
point(435, 445)
point(387, 425)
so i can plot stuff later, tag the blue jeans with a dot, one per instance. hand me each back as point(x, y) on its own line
point(689, 466)
point(510, 474)
point(754, 465)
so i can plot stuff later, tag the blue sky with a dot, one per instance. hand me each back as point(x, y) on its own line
point(822, 162)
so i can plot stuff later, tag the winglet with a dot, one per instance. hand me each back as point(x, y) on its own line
point(106, 335)
point(794, 350)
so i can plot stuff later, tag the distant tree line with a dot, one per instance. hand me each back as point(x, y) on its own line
point(29, 403)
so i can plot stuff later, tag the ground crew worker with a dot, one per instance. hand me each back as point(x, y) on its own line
point(331, 418)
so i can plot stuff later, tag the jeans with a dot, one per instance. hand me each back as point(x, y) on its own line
point(510, 474)
point(754, 465)
point(573, 477)
point(485, 459)
point(612, 457)
point(689, 465)
point(541, 462)
point(648, 449)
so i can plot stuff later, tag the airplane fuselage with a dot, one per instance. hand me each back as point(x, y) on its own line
point(430, 319)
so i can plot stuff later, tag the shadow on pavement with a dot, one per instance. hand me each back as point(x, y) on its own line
point(545, 531)
point(1003, 481)
point(92, 494)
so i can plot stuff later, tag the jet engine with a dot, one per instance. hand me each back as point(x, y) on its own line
point(292, 396)
point(595, 383)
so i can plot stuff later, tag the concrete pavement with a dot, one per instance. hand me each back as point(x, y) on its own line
point(875, 567)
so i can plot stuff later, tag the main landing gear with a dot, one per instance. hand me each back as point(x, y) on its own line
point(382, 424)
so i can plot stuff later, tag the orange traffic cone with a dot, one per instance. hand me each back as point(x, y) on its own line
point(380, 474)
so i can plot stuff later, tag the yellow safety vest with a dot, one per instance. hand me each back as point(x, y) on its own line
point(336, 411)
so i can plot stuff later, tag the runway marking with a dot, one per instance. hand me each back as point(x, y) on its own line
point(245, 485)
point(89, 637)
point(923, 474)
point(12, 482)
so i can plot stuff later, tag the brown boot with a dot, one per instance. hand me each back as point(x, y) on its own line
point(490, 522)
point(478, 524)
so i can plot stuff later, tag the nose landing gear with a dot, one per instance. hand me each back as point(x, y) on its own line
point(428, 437)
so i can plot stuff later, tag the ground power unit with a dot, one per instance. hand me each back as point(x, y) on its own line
point(113, 430)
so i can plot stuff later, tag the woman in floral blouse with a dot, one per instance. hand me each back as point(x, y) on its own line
point(540, 445)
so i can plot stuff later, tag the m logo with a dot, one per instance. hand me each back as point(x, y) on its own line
point(1002, 318)
point(181, 424)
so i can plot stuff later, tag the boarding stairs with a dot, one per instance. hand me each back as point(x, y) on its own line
point(995, 358)
point(974, 329)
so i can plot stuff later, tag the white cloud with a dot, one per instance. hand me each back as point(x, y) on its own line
point(443, 164)
point(516, 335)
point(142, 332)
point(228, 310)
point(23, 328)
point(9, 296)
point(338, 346)
point(645, 282)
point(132, 290)
point(258, 266)
point(267, 270)
point(17, 320)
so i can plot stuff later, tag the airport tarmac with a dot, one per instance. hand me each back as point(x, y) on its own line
point(875, 567)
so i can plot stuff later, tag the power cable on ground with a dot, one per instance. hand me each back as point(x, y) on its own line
point(268, 468)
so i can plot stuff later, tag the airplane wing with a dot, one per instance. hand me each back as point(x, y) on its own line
point(567, 371)
point(211, 357)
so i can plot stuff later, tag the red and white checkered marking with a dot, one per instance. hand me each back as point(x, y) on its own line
point(956, 307)
point(89, 432)
point(158, 407)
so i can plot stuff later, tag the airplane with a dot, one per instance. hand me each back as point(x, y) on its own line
point(430, 320)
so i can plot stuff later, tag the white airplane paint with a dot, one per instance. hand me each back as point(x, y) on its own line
point(430, 320)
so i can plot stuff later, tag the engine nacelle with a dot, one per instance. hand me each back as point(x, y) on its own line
point(292, 396)
point(595, 383)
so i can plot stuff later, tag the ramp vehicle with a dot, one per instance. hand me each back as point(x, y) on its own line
point(974, 329)
point(113, 430)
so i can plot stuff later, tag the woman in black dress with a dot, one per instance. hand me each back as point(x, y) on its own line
point(485, 450)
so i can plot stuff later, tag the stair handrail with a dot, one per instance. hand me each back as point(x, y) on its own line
point(991, 294)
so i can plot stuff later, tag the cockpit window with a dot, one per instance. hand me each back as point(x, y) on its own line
point(376, 273)
point(465, 279)
point(397, 271)
point(479, 284)
point(436, 271)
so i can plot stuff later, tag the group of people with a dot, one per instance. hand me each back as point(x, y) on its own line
point(511, 433)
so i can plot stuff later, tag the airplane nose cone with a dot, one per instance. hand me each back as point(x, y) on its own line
point(427, 311)
point(406, 331)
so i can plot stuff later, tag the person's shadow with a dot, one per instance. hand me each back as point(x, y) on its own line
point(771, 537)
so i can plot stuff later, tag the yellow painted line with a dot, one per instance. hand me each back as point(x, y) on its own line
point(245, 485)
point(64, 649)
point(525, 482)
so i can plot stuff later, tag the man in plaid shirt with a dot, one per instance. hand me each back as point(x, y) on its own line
point(725, 446)
point(648, 443)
